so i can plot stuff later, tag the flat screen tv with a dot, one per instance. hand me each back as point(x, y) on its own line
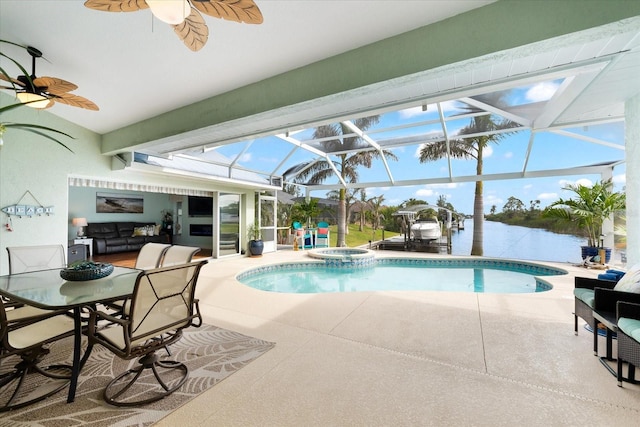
point(200, 206)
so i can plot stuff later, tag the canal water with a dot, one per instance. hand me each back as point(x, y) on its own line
point(511, 241)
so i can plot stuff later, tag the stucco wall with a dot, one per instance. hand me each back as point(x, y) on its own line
point(31, 163)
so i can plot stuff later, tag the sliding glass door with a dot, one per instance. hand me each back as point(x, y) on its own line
point(229, 231)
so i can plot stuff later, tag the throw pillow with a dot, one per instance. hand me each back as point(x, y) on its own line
point(150, 229)
point(630, 282)
point(139, 231)
point(156, 229)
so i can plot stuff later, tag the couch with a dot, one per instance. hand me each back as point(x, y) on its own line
point(114, 237)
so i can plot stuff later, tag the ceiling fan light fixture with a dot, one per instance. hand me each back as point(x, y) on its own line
point(33, 100)
point(172, 12)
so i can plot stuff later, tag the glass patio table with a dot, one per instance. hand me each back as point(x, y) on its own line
point(45, 289)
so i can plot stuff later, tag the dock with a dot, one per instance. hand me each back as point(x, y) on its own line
point(402, 243)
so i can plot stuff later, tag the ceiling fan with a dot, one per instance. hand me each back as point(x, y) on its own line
point(44, 92)
point(184, 15)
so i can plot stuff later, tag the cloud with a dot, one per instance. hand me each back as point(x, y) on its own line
point(528, 186)
point(425, 192)
point(541, 91)
point(584, 182)
point(491, 200)
point(487, 151)
point(547, 196)
point(620, 179)
point(246, 157)
point(508, 155)
point(411, 112)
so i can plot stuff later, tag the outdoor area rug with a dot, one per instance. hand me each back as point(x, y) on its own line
point(210, 353)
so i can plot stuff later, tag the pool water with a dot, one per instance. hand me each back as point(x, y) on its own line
point(401, 275)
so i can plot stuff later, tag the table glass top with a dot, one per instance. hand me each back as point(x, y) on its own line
point(46, 289)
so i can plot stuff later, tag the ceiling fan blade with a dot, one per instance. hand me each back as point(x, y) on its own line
point(54, 85)
point(233, 10)
point(193, 31)
point(75, 101)
point(11, 80)
point(116, 5)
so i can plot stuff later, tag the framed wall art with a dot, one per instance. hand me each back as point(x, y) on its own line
point(119, 203)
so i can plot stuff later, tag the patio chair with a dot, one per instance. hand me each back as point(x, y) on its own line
point(322, 235)
point(150, 255)
point(177, 254)
point(606, 295)
point(25, 336)
point(23, 259)
point(628, 321)
point(162, 305)
point(584, 301)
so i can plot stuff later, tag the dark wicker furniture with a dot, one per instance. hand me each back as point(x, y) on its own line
point(628, 347)
point(584, 310)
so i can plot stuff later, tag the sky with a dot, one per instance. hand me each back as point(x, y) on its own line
point(549, 151)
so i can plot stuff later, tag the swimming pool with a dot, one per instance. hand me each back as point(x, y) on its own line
point(402, 274)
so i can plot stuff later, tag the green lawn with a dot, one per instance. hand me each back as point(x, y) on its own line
point(356, 237)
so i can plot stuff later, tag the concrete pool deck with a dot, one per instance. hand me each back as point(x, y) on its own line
point(406, 358)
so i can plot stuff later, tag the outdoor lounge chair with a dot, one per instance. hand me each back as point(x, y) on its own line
point(608, 293)
point(628, 321)
point(162, 305)
point(322, 235)
point(584, 301)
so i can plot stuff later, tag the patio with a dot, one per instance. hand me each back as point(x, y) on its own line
point(405, 358)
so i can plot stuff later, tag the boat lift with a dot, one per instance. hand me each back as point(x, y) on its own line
point(409, 218)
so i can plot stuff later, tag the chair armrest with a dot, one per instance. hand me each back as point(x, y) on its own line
point(589, 283)
point(628, 310)
point(606, 299)
point(95, 316)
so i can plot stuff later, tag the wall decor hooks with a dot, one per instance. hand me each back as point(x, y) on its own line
point(21, 209)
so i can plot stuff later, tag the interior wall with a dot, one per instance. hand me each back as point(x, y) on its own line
point(82, 203)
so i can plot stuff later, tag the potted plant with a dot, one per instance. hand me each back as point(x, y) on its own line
point(591, 206)
point(256, 245)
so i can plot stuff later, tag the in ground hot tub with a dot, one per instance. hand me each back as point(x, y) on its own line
point(344, 257)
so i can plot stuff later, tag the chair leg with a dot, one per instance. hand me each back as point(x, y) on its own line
point(595, 338)
point(620, 372)
point(176, 375)
point(15, 397)
point(575, 323)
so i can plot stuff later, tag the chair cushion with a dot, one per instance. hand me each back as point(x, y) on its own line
point(585, 295)
point(630, 327)
point(630, 282)
point(323, 231)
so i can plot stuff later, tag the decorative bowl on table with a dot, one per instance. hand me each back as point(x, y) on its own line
point(86, 270)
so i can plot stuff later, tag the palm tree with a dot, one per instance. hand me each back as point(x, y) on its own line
point(377, 215)
point(590, 208)
point(364, 205)
point(346, 164)
point(349, 202)
point(471, 148)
